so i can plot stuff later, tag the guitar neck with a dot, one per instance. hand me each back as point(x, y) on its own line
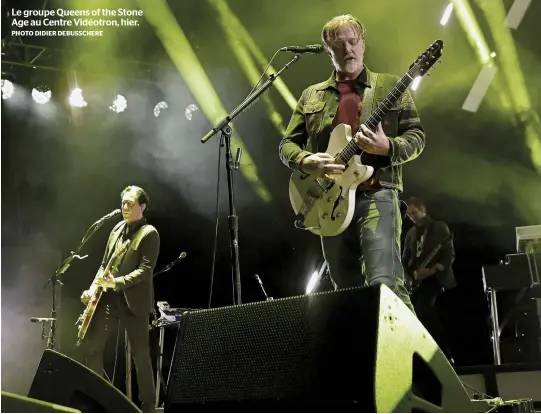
point(352, 148)
point(433, 253)
point(107, 269)
point(430, 257)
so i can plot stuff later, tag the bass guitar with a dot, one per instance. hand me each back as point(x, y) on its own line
point(325, 205)
point(411, 283)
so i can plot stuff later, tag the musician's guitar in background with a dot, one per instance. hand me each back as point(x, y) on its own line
point(96, 292)
point(325, 205)
point(412, 284)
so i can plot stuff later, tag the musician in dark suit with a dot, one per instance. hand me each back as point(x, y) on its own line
point(428, 238)
point(129, 296)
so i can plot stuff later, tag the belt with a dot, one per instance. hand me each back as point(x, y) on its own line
point(371, 184)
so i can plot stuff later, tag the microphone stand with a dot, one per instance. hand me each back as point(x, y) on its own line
point(55, 279)
point(263, 289)
point(226, 132)
point(168, 267)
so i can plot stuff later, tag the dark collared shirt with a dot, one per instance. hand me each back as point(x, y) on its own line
point(132, 228)
point(129, 230)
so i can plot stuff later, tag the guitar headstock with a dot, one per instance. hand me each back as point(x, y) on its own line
point(424, 62)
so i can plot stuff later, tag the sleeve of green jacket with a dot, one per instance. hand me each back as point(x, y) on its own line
point(149, 249)
point(293, 144)
point(410, 141)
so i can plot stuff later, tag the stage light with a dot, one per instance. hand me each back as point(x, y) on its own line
point(119, 104)
point(446, 14)
point(516, 13)
point(159, 107)
point(313, 280)
point(8, 89)
point(76, 98)
point(189, 111)
point(415, 83)
point(316, 278)
point(479, 88)
point(41, 94)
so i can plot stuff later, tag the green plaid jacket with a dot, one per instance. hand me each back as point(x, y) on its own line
point(311, 124)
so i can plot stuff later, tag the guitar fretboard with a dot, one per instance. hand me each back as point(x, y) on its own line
point(352, 148)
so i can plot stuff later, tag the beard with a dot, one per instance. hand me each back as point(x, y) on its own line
point(352, 66)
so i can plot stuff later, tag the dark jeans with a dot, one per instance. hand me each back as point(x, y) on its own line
point(111, 310)
point(424, 301)
point(368, 252)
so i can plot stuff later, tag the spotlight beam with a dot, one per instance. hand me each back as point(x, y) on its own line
point(494, 11)
point(242, 33)
point(177, 46)
point(247, 63)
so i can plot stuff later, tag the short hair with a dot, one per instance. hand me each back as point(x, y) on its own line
point(336, 23)
point(417, 202)
point(140, 194)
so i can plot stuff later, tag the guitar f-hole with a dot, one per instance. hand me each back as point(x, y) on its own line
point(333, 217)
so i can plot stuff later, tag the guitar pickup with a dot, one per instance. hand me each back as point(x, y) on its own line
point(321, 186)
point(325, 184)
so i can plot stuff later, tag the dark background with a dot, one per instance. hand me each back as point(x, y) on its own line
point(63, 168)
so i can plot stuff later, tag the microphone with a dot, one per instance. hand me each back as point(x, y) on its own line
point(237, 158)
point(173, 263)
point(33, 319)
point(262, 288)
point(109, 216)
point(178, 259)
point(316, 49)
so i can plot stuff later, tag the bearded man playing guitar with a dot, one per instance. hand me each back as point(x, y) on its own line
point(126, 276)
point(427, 258)
point(368, 251)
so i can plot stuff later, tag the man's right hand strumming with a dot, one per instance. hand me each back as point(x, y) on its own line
point(85, 297)
point(321, 164)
